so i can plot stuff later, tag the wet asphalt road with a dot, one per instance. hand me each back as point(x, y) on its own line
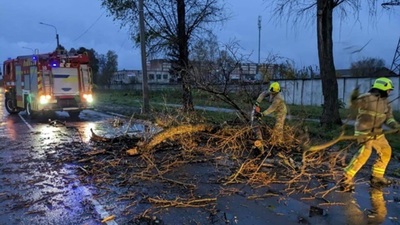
point(37, 187)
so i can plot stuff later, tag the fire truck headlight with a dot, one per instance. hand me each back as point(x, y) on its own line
point(44, 99)
point(88, 98)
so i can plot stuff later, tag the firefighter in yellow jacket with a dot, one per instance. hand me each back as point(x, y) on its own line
point(277, 106)
point(374, 110)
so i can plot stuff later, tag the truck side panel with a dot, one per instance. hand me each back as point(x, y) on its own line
point(86, 79)
point(33, 80)
point(18, 86)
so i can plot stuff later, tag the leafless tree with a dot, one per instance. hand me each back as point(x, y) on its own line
point(323, 11)
point(219, 71)
point(171, 25)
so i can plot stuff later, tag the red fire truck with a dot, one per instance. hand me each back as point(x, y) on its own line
point(54, 81)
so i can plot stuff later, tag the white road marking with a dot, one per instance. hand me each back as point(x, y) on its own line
point(27, 124)
point(97, 206)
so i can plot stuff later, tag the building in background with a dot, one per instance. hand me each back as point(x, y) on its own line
point(159, 72)
point(126, 77)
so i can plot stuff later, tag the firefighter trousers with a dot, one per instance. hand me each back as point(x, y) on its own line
point(383, 151)
point(277, 134)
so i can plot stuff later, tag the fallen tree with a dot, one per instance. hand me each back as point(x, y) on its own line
point(166, 135)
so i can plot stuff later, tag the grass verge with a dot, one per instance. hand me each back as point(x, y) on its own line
point(160, 100)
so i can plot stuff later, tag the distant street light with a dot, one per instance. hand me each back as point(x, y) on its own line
point(55, 28)
point(34, 51)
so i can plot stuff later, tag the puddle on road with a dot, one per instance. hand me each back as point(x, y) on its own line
point(109, 129)
point(82, 131)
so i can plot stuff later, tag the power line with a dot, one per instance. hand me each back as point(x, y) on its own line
point(394, 2)
point(90, 26)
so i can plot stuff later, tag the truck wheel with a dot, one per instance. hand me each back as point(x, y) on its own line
point(74, 114)
point(29, 111)
point(10, 106)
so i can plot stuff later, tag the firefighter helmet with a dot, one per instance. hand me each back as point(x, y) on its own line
point(383, 84)
point(274, 87)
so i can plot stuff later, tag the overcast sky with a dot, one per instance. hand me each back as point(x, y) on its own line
point(86, 23)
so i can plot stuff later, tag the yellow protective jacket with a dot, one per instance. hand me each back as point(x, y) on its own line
point(373, 112)
point(278, 104)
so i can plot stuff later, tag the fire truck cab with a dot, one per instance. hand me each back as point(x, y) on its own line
point(54, 81)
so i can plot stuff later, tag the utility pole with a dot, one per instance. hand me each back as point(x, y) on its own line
point(55, 28)
point(395, 67)
point(259, 44)
point(396, 60)
point(259, 38)
point(145, 86)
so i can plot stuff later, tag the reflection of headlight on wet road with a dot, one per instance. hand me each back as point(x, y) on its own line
point(48, 134)
point(86, 131)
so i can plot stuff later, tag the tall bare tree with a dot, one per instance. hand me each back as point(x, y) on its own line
point(171, 25)
point(323, 10)
point(218, 71)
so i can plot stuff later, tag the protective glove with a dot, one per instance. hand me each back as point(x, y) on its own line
point(257, 115)
point(394, 125)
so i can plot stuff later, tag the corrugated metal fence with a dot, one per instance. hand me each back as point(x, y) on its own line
point(303, 91)
point(309, 91)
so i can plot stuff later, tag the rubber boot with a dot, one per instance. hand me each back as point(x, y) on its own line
point(380, 181)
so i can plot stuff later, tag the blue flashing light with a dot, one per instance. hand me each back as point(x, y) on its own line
point(54, 63)
point(34, 58)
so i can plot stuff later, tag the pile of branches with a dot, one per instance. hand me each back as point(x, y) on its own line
point(130, 160)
